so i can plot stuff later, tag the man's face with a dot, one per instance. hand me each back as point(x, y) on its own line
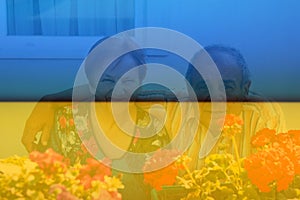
point(233, 82)
point(231, 75)
point(115, 73)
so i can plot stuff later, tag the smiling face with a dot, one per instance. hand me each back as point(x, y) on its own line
point(232, 76)
point(116, 72)
point(235, 87)
point(104, 68)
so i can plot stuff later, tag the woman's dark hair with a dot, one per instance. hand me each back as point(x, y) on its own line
point(138, 55)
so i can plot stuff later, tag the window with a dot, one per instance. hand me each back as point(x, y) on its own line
point(38, 26)
point(46, 40)
point(69, 17)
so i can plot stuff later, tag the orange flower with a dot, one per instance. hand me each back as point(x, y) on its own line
point(64, 194)
point(284, 141)
point(232, 125)
point(295, 135)
point(279, 159)
point(50, 161)
point(63, 122)
point(232, 119)
point(293, 146)
point(71, 122)
point(268, 166)
point(263, 137)
point(296, 160)
point(94, 170)
point(109, 195)
point(166, 175)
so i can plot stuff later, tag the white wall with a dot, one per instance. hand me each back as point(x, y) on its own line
point(266, 33)
point(31, 67)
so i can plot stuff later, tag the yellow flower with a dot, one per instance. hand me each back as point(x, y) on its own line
point(113, 183)
point(10, 169)
point(30, 193)
point(29, 165)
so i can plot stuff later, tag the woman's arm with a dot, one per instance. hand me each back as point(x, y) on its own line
point(42, 117)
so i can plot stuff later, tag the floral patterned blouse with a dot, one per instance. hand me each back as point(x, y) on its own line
point(66, 138)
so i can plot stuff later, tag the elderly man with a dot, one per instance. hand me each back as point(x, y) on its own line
point(255, 111)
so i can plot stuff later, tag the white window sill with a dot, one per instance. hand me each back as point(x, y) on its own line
point(45, 47)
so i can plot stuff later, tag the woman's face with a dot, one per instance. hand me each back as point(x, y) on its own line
point(116, 72)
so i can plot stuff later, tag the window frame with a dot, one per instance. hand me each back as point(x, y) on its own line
point(3, 18)
point(41, 47)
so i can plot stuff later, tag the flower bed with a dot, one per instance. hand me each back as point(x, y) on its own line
point(271, 172)
point(50, 176)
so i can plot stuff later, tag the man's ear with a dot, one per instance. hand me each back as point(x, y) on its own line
point(246, 87)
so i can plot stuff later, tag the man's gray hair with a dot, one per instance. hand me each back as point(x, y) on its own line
point(228, 50)
point(236, 54)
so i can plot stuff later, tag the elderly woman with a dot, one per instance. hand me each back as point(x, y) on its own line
point(71, 130)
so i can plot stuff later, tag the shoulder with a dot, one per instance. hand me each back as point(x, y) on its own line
point(269, 111)
point(82, 93)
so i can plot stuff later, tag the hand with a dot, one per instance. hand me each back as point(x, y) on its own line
point(40, 120)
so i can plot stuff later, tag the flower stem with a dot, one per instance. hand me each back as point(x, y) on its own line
point(236, 152)
point(190, 174)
